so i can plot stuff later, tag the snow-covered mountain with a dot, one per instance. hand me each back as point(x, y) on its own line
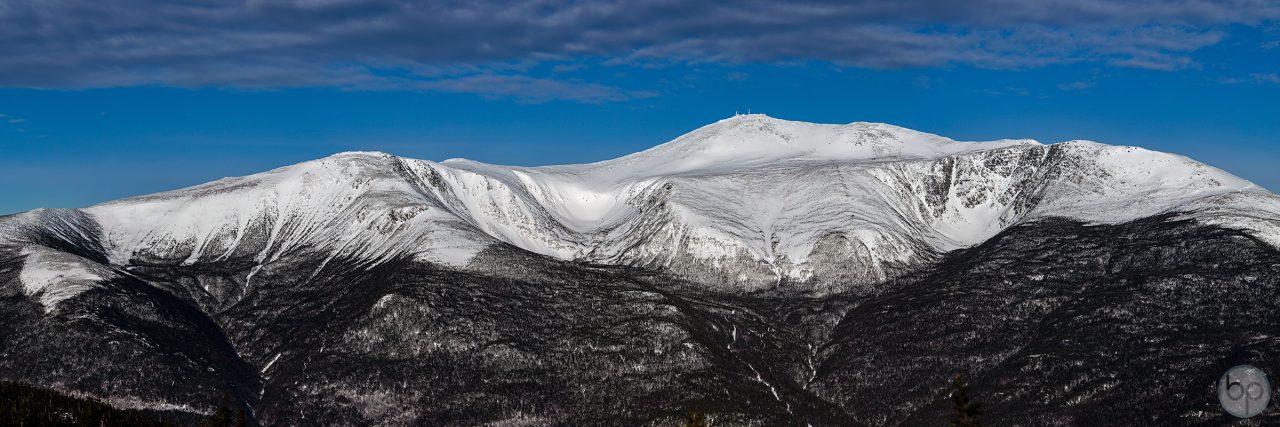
point(751, 199)
point(766, 272)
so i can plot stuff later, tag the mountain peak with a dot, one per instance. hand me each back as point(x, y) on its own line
point(752, 140)
point(360, 154)
point(761, 118)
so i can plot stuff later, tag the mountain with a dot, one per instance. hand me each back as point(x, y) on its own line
point(756, 269)
point(747, 201)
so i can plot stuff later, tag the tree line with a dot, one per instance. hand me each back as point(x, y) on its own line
point(966, 412)
point(23, 405)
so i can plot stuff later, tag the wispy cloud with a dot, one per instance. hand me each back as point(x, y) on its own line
point(529, 89)
point(1255, 78)
point(350, 43)
point(1078, 85)
point(13, 120)
point(923, 82)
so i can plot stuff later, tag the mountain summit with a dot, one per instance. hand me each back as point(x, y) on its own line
point(764, 271)
point(753, 140)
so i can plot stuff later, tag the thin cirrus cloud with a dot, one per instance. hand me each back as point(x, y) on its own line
point(529, 89)
point(1255, 78)
point(489, 47)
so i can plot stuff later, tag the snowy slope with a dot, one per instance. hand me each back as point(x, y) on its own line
point(755, 198)
point(359, 204)
point(750, 199)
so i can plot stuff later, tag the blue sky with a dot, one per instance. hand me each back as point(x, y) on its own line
point(102, 100)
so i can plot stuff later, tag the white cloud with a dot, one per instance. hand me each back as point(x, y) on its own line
point(90, 43)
